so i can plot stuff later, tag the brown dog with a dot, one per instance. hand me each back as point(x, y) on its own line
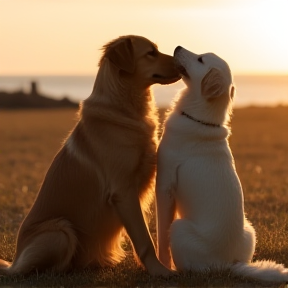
point(102, 179)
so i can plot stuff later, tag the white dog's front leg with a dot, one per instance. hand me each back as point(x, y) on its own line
point(129, 211)
point(166, 209)
point(166, 183)
point(165, 215)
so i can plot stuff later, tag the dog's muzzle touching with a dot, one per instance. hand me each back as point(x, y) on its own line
point(178, 65)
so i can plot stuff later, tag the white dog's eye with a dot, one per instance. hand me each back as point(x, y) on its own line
point(200, 60)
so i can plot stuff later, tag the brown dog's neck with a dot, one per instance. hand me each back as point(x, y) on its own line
point(110, 88)
point(130, 100)
point(140, 100)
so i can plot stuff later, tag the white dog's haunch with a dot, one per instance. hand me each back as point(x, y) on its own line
point(197, 182)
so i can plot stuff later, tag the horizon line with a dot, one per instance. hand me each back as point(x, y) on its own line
point(93, 75)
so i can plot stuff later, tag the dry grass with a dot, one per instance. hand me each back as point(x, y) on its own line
point(30, 139)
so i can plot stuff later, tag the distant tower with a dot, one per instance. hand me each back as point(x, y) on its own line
point(34, 88)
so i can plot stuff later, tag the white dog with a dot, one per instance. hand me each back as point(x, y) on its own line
point(197, 181)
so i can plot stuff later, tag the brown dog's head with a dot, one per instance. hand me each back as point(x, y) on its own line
point(137, 58)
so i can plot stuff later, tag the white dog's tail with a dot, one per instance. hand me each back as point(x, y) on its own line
point(261, 270)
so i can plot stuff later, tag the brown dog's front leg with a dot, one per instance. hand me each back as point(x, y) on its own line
point(130, 213)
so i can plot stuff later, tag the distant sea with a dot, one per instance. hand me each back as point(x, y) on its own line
point(251, 90)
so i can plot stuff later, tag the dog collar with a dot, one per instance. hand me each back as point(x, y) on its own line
point(199, 121)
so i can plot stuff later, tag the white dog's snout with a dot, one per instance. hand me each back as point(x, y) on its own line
point(182, 52)
point(177, 49)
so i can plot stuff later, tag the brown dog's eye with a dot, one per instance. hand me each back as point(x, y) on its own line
point(152, 53)
point(200, 60)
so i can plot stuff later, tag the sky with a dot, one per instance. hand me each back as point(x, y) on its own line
point(64, 37)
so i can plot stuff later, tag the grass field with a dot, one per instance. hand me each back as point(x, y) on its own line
point(30, 139)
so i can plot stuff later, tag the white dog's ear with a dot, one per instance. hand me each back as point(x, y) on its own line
point(213, 85)
point(122, 55)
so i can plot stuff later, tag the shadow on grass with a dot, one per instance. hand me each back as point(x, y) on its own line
point(128, 274)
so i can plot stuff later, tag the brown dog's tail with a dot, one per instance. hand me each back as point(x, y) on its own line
point(52, 247)
point(4, 266)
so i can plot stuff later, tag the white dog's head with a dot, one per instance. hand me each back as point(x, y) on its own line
point(209, 83)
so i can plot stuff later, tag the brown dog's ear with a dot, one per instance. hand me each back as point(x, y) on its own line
point(212, 85)
point(122, 55)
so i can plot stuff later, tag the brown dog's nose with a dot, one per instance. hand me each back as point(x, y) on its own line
point(177, 49)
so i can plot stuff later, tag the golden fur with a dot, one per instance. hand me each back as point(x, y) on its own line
point(105, 168)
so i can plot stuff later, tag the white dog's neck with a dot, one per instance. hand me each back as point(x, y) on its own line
point(200, 121)
point(214, 112)
point(194, 131)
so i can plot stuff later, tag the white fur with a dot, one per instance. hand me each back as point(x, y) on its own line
point(197, 182)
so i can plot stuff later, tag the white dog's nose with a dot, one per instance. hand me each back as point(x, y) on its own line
point(177, 49)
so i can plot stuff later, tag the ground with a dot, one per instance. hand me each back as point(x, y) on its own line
point(259, 142)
